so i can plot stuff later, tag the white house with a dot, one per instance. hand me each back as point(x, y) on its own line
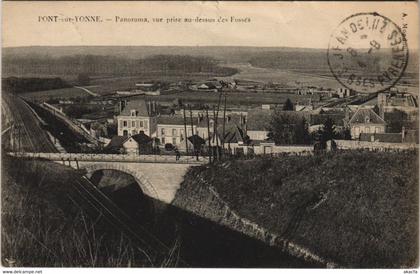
point(137, 116)
point(365, 120)
point(171, 129)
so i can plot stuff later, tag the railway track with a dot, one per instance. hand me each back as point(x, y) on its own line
point(26, 127)
point(102, 205)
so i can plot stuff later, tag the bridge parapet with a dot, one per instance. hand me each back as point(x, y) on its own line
point(112, 158)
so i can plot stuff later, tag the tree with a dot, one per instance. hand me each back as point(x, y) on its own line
point(288, 105)
point(327, 133)
point(288, 129)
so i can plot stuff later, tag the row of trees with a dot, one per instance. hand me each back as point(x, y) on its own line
point(20, 85)
point(112, 65)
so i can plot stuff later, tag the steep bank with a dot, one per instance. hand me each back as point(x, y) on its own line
point(344, 209)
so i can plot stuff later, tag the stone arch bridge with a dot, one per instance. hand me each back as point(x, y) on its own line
point(158, 176)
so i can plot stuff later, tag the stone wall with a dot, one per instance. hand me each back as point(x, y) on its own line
point(348, 144)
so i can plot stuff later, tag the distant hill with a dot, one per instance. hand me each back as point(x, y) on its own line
point(305, 60)
point(230, 54)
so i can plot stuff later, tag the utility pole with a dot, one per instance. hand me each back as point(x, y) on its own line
point(224, 123)
point(208, 132)
point(185, 131)
point(215, 133)
point(192, 126)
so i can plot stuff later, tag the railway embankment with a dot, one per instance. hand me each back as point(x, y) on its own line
point(337, 209)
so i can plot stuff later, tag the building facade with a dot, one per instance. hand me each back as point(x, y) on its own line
point(137, 116)
point(365, 120)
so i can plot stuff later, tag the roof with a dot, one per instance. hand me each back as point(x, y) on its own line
point(175, 120)
point(338, 118)
point(381, 137)
point(142, 108)
point(366, 116)
point(196, 140)
point(233, 134)
point(140, 138)
point(259, 119)
point(231, 118)
point(117, 141)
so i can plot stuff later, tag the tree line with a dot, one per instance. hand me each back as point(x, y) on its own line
point(21, 85)
point(112, 65)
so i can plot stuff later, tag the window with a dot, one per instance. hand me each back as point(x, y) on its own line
point(141, 123)
point(377, 130)
point(163, 140)
point(367, 129)
point(174, 141)
point(124, 123)
point(125, 132)
point(133, 112)
point(174, 132)
point(133, 123)
point(162, 131)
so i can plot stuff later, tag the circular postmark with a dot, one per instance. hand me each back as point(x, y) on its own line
point(367, 53)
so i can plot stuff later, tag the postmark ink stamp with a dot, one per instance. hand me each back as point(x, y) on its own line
point(367, 53)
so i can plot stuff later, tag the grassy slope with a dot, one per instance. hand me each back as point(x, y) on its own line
point(44, 224)
point(357, 208)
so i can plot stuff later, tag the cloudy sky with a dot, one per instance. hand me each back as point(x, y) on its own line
point(281, 24)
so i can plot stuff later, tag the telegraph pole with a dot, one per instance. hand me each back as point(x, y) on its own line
point(208, 132)
point(224, 122)
point(185, 131)
point(215, 133)
point(192, 126)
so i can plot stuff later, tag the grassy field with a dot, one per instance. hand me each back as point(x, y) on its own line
point(45, 224)
point(282, 76)
point(355, 208)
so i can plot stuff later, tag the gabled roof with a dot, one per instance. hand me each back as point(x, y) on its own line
point(140, 138)
point(142, 108)
point(366, 116)
point(116, 142)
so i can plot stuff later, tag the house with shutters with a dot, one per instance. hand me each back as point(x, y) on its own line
point(365, 120)
point(171, 129)
point(137, 116)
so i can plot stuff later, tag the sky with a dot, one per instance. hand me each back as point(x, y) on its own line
point(273, 24)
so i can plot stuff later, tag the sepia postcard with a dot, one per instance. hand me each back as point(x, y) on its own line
point(209, 135)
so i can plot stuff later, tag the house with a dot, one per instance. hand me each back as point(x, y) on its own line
point(365, 120)
point(204, 126)
point(345, 92)
point(258, 124)
point(136, 116)
point(171, 129)
point(138, 144)
point(116, 144)
point(394, 101)
point(233, 139)
point(135, 144)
